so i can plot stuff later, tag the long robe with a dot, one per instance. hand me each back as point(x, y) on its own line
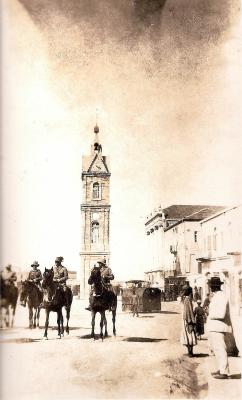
point(188, 335)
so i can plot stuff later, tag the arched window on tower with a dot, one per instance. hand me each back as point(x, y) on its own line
point(95, 232)
point(96, 191)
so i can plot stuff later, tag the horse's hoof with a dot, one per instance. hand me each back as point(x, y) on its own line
point(45, 337)
point(106, 334)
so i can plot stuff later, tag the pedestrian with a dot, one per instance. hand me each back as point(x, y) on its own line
point(199, 317)
point(188, 334)
point(206, 306)
point(219, 323)
point(196, 295)
point(184, 288)
point(135, 303)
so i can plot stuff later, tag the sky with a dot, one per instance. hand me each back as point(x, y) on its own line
point(166, 79)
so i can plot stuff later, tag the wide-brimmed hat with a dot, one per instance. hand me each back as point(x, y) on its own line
point(9, 266)
point(35, 264)
point(215, 281)
point(60, 259)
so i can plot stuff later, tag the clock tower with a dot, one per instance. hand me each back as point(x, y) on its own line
point(95, 211)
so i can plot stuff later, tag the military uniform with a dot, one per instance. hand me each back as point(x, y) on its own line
point(35, 276)
point(60, 275)
point(107, 276)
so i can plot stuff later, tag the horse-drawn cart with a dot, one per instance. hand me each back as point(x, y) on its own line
point(149, 299)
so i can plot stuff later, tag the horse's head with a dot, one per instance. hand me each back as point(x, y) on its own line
point(95, 277)
point(24, 289)
point(47, 277)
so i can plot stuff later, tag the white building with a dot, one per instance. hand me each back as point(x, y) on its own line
point(221, 249)
point(173, 242)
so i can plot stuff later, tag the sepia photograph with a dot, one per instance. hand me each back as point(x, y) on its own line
point(121, 200)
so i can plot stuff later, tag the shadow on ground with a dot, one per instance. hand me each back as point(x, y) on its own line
point(142, 339)
point(20, 340)
point(200, 355)
point(235, 376)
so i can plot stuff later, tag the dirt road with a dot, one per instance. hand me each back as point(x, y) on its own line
point(144, 361)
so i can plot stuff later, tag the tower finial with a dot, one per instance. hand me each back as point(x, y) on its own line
point(96, 128)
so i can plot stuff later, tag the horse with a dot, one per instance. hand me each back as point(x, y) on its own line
point(9, 297)
point(31, 293)
point(55, 298)
point(102, 300)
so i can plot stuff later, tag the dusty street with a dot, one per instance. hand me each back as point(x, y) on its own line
point(145, 360)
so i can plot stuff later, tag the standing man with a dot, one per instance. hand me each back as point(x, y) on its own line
point(219, 323)
point(135, 303)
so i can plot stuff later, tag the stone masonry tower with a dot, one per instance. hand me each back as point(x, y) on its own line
point(95, 211)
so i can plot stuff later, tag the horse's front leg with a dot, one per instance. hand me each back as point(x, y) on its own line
point(101, 324)
point(93, 324)
point(106, 325)
point(114, 320)
point(67, 319)
point(30, 317)
point(37, 316)
point(13, 315)
point(59, 323)
point(62, 323)
point(46, 323)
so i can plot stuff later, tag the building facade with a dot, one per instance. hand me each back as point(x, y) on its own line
point(173, 242)
point(95, 211)
point(221, 252)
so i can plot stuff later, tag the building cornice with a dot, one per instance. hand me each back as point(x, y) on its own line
point(94, 206)
point(96, 174)
point(95, 253)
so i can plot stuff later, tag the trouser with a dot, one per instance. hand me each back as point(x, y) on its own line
point(217, 340)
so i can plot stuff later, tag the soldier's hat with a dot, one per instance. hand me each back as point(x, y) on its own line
point(35, 264)
point(215, 281)
point(60, 259)
point(101, 261)
point(9, 266)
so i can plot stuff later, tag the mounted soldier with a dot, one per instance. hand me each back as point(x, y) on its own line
point(60, 273)
point(34, 277)
point(8, 276)
point(107, 276)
